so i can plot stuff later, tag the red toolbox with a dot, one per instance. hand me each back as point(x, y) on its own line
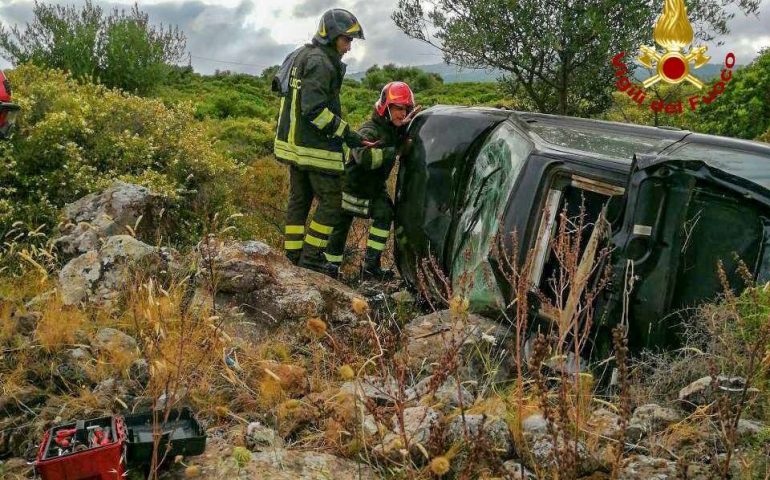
point(76, 451)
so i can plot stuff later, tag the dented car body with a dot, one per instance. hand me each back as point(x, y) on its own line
point(677, 205)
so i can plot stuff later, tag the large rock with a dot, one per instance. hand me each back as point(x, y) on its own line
point(99, 275)
point(492, 432)
point(641, 467)
point(704, 392)
point(382, 391)
point(449, 393)
point(430, 338)
point(274, 464)
point(540, 453)
point(417, 425)
point(101, 215)
point(650, 418)
point(295, 465)
point(252, 275)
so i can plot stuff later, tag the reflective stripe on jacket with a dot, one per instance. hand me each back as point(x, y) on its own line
point(368, 169)
point(310, 128)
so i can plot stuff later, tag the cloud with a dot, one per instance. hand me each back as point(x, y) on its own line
point(249, 35)
point(312, 8)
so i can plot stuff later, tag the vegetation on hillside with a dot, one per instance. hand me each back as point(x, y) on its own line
point(120, 49)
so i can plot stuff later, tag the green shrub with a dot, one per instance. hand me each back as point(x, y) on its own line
point(73, 139)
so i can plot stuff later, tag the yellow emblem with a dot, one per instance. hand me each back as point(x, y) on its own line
point(673, 32)
point(322, 29)
point(356, 27)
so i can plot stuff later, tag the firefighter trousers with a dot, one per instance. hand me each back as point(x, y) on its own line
point(380, 210)
point(306, 248)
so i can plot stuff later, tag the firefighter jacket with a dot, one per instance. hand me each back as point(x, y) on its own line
point(310, 129)
point(368, 169)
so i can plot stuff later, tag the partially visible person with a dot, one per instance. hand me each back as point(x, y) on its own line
point(8, 109)
point(311, 133)
point(364, 189)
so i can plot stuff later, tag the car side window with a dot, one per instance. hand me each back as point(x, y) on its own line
point(489, 185)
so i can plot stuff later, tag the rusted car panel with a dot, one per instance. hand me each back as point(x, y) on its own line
point(678, 203)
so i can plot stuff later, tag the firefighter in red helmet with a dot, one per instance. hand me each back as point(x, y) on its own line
point(364, 191)
point(8, 110)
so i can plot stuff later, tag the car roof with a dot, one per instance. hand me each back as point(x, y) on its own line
point(614, 144)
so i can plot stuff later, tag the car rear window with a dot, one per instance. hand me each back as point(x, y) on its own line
point(619, 146)
point(753, 166)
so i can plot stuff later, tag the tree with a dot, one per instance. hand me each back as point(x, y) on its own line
point(557, 54)
point(743, 110)
point(376, 77)
point(121, 49)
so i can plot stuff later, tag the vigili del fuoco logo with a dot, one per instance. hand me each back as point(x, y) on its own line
point(675, 64)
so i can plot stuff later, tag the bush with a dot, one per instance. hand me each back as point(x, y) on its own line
point(74, 139)
point(121, 49)
point(376, 77)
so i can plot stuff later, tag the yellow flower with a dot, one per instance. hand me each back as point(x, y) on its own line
point(317, 327)
point(458, 305)
point(346, 372)
point(439, 466)
point(192, 471)
point(360, 306)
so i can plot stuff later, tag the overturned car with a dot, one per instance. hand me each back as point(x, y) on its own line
point(678, 208)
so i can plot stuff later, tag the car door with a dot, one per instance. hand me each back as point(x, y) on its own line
point(687, 228)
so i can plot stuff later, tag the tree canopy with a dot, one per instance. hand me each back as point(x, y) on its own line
point(120, 49)
point(556, 54)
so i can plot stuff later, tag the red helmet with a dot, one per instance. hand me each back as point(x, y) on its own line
point(394, 93)
point(8, 110)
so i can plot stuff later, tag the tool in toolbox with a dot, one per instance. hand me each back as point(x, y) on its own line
point(102, 448)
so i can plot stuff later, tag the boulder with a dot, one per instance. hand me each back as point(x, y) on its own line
point(104, 214)
point(25, 323)
point(540, 453)
point(252, 274)
point(260, 437)
point(417, 425)
point(449, 393)
point(515, 470)
point(273, 464)
point(383, 391)
point(535, 423)
point(99, 275)
point(642, 467)
point(650, 418)
point(430, 338)
point(491, 432)
point(703, 392)
point(605, 424)
point(111, 339)
point(295, 465)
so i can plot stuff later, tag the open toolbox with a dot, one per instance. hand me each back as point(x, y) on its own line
point(83, 450)
point(184, 432)
point(102, 448)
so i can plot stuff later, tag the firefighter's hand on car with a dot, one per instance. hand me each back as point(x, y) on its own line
point(353, 139)
point(412, 114)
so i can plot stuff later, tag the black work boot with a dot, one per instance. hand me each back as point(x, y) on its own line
point(331, 269)
point(372, 269)
point(294, 256)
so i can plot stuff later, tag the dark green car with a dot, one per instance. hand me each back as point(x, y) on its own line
point(676, 204)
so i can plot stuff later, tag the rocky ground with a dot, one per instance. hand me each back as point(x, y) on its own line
point(312, 379)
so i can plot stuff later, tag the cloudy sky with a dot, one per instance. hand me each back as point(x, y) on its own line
point(249, 35)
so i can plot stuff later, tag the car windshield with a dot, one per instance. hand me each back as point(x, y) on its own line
point(494, 173)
